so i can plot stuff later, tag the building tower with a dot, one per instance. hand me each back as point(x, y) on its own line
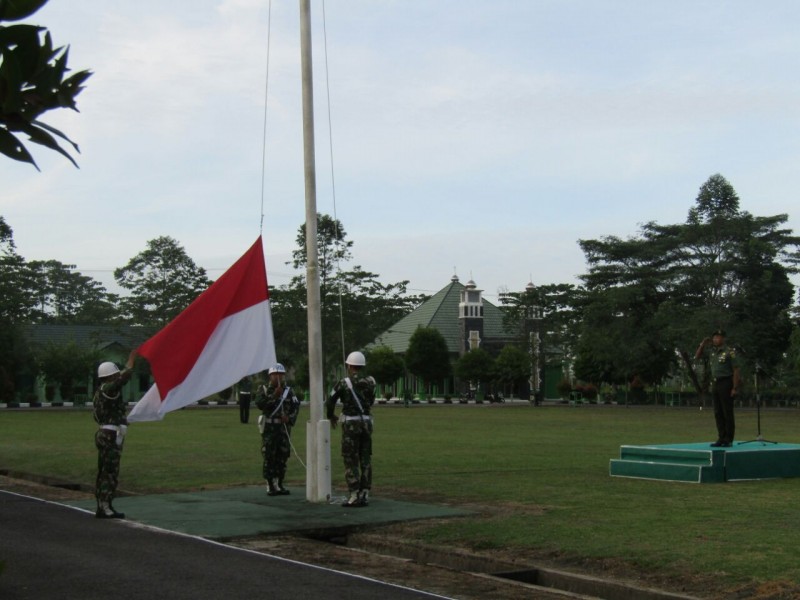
point(470, 317)
point(533, 318)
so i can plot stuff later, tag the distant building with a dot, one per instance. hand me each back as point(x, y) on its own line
point(465, 319)
point(112, 343)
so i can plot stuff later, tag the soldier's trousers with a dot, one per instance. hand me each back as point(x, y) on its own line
point(108, 459)
point(276, 449)
point(244, 407)
point(357, 454)
point(723, 409)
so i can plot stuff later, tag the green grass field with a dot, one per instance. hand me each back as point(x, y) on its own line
point(547, 468)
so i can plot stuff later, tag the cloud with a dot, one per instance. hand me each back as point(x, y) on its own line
point(490, 137)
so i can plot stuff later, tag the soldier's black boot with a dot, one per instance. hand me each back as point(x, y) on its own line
point(272, 489)
point(352, 500)
point(106, 511)
point(282, 490)
point(363, 498)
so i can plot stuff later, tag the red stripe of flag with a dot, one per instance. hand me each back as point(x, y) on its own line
point(173, 351)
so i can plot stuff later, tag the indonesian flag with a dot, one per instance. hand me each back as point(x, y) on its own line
point(224, 335)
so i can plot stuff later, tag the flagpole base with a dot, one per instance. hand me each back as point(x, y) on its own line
point(318, 473)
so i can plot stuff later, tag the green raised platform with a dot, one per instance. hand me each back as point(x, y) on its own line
point(248, 511)
point(700, 463)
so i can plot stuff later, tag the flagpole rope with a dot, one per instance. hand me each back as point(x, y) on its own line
point(291, 445)
point(333, 178)
point(264, 132)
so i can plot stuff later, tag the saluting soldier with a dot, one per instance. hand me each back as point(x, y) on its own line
point(109, 413)
point(357, 394)
point(279, 407)
point(725, 382)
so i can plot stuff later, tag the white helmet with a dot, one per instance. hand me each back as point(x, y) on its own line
point(277, 368)
point(356, 359)
point(107, 369)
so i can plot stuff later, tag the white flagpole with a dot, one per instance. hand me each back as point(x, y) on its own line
point(318, 474)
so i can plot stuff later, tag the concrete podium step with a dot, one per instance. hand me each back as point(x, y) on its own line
point(702, 463)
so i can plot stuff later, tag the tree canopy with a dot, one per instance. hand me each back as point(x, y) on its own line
point(427, 356)
point(355, 305)
point(554, 310)
point(384, 365)
point(16, 301)
point(33, 81)
point(162, 281)
point(512, 367)
point(651, 297)
point(64, 295)
point(475, 366)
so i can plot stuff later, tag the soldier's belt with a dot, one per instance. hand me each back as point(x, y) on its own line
point(356, 417)
point(275, 421)
point(120, 430)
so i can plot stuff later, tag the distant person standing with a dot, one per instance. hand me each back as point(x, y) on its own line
point(245, 392)
point(109, 413)
point(725, 381)
point(279, 409)
point(357, 394)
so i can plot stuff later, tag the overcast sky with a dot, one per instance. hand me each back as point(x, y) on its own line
point(481, 138)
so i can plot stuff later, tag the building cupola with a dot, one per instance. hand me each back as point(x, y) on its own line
point(471, 305)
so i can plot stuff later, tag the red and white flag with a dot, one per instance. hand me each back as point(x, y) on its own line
point(224, 335)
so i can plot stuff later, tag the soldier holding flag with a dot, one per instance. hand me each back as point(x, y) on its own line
point(109, 414)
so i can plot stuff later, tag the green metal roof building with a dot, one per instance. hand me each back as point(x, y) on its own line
point(464, 319)
point(110, 342)
point(455, 311)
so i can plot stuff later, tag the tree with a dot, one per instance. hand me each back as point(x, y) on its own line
point(790, 369)
point(512, 367)
point(652, 297)
point(622, 338)
point(355, 308)
point(16, 303)
point(332, 248)
point(64, 364)
point(66, 296)
point(384, 365)
point(557, 307)
point(554, 310)
point(355, 305)
point(365, 305)
point(476, 366)
point(16, 300)
point(32, 81)
point(290, 326)
point(163, 280)
point(427, 356)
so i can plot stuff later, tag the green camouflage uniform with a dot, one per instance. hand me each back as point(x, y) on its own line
point(722, 362)
point(356, 429)
point(280, 414)
point(109, 409)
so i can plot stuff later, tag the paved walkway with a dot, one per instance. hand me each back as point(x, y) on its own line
point(54, 551)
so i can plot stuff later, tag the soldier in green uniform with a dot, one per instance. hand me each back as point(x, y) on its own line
point(245, 388)
point(357, 394)
point(279, 407)
point(725, 381)
point(109, 413)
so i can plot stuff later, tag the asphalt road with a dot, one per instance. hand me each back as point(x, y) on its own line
point(53, 552)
